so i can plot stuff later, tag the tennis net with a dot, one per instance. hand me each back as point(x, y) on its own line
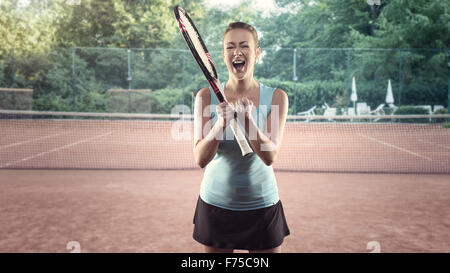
point(71, 140)
point(16, 98)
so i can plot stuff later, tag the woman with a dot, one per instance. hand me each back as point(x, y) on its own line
point(239, 207)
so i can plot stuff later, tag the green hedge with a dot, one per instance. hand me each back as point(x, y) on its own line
point(411, 110)
point(309, 94)
point(441, 111)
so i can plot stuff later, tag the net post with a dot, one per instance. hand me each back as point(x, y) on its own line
point(448, 85)
point(13, 62)
point(129, 69)
point(347, 82)
point(129, 80)
point(400, 78)
point(294, 78)
point(14, 100)
point(182, 78)
point(73, 77)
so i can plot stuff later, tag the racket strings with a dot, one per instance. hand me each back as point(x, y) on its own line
point(194, 36)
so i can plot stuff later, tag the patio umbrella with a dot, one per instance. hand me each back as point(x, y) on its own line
point(389, 95)
point(354, 97)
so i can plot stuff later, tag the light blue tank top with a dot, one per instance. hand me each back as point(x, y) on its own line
point(232, 181)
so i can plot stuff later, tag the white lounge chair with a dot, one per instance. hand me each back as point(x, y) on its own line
point(351, 111)
point(308, 113)
point(437, 107)
point(392, 106)
point(362, 108)
point(329, 111)
point(379, 111)
point(426, 107)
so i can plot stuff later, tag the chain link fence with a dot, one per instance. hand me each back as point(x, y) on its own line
point(155, 80)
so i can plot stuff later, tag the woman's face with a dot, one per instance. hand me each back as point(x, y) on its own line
point(240, 53)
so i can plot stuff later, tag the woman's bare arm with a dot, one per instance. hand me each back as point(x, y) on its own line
point(266, 146)
point(207, 138)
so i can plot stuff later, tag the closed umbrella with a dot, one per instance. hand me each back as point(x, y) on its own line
point(389, 95)
point(354, 96)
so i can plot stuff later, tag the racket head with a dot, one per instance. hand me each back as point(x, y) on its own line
point(195, 43)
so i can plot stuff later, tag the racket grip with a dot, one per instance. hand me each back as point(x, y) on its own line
point(240, 138)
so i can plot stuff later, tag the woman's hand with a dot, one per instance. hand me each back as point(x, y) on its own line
point(244, 107)
point(225, 113)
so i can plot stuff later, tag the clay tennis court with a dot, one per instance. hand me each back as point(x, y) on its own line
point(120, 186)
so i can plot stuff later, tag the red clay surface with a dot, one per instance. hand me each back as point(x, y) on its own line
point(317, 147)
point(151, 211)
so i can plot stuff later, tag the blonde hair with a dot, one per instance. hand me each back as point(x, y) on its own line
point(242, 25)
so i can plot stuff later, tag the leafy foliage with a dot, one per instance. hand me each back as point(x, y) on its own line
point(72, 54)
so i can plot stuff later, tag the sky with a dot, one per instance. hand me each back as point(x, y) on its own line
point(265, 6)
point(258, 4)
point(261, 5)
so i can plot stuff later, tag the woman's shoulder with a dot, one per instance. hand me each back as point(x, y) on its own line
point(280, 97)
point(278, 94)
point(204, 93)
point(276, 91)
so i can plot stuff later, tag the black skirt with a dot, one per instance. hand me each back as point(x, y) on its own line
point(257, 229)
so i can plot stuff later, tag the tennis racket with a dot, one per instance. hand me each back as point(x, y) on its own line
point(201, 55)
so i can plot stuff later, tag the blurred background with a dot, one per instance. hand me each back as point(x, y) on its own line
point(128, 56)
point(88, 145)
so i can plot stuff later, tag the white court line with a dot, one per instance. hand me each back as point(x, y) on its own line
point(309, 144)
point(28, 141)
point(396, 147)
point(301, 144)
point(432, 143)
point(55, 150)
point(141, 142)
point(336, 144)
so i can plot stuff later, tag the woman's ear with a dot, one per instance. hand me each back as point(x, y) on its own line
point(258, 53)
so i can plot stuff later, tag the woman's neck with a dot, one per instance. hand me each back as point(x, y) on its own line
point(241, 86)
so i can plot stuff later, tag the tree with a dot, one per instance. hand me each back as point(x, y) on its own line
point(422, 30)
point(27, 34)
point(334, 42)
point(119, 23)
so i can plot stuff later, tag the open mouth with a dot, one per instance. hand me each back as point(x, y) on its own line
point(239, 65)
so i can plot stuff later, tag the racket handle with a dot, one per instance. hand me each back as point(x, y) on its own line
point(240, 137)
